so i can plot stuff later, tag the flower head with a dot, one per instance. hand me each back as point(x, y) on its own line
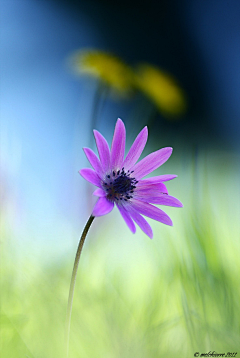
point(162, 89)
point(120, 181)
point(105, 66)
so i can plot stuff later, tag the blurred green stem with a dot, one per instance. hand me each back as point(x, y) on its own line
point(98, 103)
point(73, 280)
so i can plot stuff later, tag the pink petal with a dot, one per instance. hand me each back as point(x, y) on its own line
point(118, 145)
point(103, 150)
point(94, 161)
point(151, 189)
point(127, 218)
point(142, 223)
point(151, 211)
point(136, 149)
point(102, 207)
point(161, 199)
point(151, 162)
point(91, 176)
point(158, 179)
point(99, 192)
point(166, 200)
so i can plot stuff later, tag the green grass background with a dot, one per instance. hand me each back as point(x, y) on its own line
point(168, 297)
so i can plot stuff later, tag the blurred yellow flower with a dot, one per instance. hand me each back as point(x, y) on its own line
point(162, 89)
point(105, 66)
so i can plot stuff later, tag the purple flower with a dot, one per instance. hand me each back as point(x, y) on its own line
point(120, 182)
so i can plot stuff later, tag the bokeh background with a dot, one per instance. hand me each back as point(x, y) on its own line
point(168, 297)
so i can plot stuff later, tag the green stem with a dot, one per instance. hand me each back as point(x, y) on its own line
point(99, 98)
point(73, 280)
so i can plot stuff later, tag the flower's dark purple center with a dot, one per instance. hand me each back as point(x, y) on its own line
point(119, 185)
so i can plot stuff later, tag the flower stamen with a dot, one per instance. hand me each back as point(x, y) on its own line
point(120, 185)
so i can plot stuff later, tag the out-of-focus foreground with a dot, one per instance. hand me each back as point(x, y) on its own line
point(171, 296)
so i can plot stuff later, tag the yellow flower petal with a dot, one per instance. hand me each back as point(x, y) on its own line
point(162, 89)
point(106, 67)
